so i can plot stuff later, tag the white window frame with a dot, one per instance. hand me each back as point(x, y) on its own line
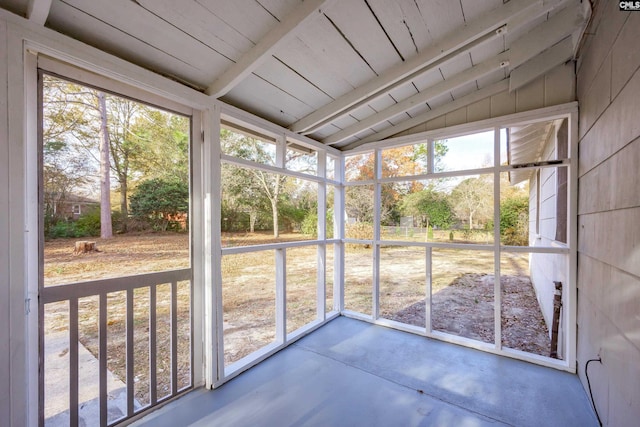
point(568, 111)
point(281, 136)
point(27, 47)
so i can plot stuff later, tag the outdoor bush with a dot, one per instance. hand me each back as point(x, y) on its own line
point(514, 221)
point(64, 229)
point(89, 223)
point(309, 225)
point(157, 200)
point(290, 216)
point(430, 232)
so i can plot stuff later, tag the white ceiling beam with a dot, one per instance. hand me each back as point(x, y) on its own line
point(478, 95)
point(438, 89)
point(383, 91)
point(38, 11)
point(520, 11)
point(547, 34)
point(266, 47)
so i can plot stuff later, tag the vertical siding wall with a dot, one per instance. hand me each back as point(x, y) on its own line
point(608, 89)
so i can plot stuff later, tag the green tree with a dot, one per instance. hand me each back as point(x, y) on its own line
point(159, 201)
point(514, 220)
point(430, 207)
point(129, 140)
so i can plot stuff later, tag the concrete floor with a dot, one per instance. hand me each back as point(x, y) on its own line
point(352, 373)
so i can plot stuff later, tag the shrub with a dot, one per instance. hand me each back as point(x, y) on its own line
point(64, 229)
point(158, 200)
point(89, 223)
point(309, 225)
point(514, 221)
point(430, 232)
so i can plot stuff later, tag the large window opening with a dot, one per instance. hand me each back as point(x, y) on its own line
point(278, 253)
point(116, 279)
point(456, 237)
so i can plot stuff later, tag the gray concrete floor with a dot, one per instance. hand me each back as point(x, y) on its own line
point(352, 373)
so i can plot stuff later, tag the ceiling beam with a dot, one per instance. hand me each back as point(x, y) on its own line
point(38, 11)
point(383, 91)
point(547, 34)
point(520, 11)
point(266, 46)
point(456, 81)
point(478, 95)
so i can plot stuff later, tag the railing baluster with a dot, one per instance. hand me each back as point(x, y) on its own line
point(130, 388)
point(73, 362)
point(102, 358)
point(429, 290)
point(174, 337)
point(153, 367)
point(102, 288)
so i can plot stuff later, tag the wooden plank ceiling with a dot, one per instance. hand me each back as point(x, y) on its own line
point(343, 72)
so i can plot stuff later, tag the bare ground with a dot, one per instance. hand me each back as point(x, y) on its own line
point(466, 308)
point(463, 304)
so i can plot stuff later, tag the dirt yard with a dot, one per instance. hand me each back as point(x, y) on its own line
point(462, 301)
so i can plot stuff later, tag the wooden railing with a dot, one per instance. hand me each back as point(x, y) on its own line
point(73, 292)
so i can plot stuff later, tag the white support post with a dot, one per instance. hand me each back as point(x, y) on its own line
point(570, 298)
point(429, 278)
point(497, 303)
point(22, 258)
point(321, 292)
point(339, 254)
point(213, 331)
point(377, 197)
point(197, 225)
point(281, 296)
point(32, 221)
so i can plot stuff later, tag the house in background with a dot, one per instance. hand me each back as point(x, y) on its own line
point(69, 206)
point(344, 78)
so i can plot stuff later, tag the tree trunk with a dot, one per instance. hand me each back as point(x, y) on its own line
point(253, 216)
point(274, 209)
point(106, 231)
point(470, 220)
point(123, 204)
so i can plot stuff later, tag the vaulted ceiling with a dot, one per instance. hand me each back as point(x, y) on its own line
point(343, 72)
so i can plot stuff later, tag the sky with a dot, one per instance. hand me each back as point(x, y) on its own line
point(472, 151)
